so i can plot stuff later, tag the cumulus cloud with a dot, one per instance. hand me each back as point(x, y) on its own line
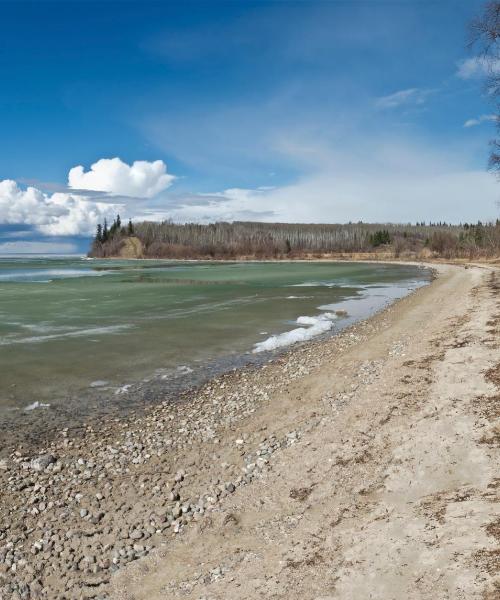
point(67, 213)
point(57, 214)
point(142, 179)
point(403, 97)
point(479, 120)
point(478, 66)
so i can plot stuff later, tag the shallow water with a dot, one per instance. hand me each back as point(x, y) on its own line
point(73, 327)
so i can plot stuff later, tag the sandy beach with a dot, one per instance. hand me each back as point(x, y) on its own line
point(361, 466)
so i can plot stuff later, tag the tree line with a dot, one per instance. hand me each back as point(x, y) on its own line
point(279, 240)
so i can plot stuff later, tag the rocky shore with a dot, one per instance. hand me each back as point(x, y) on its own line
point(81, 508)
point(78, 514)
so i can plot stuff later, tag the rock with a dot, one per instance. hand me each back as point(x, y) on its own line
point(136, 534)
point(40, 463)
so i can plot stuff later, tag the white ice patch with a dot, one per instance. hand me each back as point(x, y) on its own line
point(327, 307)
point(317, 326)
point(7, 341)
point(315, 284)
point(123, 389)
point(314, 320)
point(98, 383)
point(180, 371)
point(334, 307)
point(36, 405)
point(184, 370)
point(47, 275)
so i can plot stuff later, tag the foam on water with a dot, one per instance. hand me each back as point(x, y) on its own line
point(316, 326)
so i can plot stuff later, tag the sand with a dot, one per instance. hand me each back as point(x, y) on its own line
point(391, 490)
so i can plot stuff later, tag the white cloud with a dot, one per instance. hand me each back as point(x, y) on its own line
point(479, 120)
point(67, 213)
point(142, 179)
point(327, 199)
point(56, 214)
point(478, 66)
point(403, 97)
point(389, 181)
point(380, 179)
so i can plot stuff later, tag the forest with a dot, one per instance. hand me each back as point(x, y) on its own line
point(239, 239)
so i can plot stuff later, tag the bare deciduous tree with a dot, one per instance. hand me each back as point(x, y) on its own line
point(295, 240)
point(485, 35)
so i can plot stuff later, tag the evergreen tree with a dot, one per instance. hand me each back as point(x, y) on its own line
point(98, 235)
point(380, 237)
point(118, 222)
point(130, 227)
point(105, 231)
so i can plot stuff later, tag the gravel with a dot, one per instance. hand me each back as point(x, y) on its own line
point(76, 511)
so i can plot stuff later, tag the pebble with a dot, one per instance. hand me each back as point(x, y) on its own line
point(131, 492)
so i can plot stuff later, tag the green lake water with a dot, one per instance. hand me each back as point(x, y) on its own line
point(73, 327)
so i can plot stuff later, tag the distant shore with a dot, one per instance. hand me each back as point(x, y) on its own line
point(202, 497)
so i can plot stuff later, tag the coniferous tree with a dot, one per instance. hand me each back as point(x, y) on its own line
point(98, 235)
point(105, 231)
point(130, 227)
point(380, 237)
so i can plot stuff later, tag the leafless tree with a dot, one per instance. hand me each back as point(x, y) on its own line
point(295, 240)
point(485, 36)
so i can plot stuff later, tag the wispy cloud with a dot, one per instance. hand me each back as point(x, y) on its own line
point(389, 180)
point(477, 66)
point(411, 96)
point(479, 120)
point(24, 247)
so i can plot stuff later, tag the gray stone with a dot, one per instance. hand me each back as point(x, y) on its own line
point(136, 534)
point(40, 463)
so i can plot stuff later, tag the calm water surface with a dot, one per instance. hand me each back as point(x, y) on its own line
point(72, 326)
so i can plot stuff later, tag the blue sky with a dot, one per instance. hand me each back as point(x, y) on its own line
point(292, 111)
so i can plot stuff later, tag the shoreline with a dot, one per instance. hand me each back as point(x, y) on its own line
point(37, 427)
point(126, 490)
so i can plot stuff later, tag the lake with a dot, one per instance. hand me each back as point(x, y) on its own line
point(77, 332)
